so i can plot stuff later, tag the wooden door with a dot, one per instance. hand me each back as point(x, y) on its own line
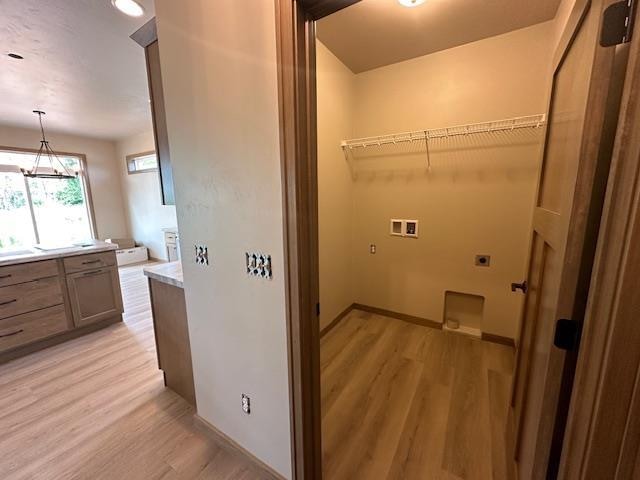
point(94, 295)
point(569, 201)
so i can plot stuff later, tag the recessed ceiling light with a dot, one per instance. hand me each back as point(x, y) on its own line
point(129, 7)
point(411, 3)
point(16, 56)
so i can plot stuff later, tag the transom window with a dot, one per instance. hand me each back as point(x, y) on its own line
point(49, 211)
point(142, 162)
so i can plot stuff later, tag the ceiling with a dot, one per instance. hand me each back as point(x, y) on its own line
point(80, 67)
point(374, 33)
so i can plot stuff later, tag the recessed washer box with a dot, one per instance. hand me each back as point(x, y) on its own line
point(411, 228)
point(403, 228)
point(396, 227)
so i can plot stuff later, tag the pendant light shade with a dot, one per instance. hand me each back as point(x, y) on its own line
point(56, 168)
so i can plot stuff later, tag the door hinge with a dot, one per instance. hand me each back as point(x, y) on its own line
point(318, 309)
point(617, 23)
point(567, 334)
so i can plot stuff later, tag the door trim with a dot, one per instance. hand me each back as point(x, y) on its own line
point(602, 437)
point(295, 45)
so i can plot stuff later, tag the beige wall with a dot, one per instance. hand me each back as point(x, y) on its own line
point(336, 109)
point(560, 21)
point(104, 175)
point(478, 197)
point(146, 216)
point(219, 72)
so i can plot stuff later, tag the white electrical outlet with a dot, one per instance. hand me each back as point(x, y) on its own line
point(246, 404)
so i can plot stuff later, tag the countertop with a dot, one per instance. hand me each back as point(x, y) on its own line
point(34, 254)
point(169, 273)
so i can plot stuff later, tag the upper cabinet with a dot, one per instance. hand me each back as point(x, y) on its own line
point(147, 37)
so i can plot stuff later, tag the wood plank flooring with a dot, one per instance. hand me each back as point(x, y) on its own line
point(96, 408)
point(402, 401)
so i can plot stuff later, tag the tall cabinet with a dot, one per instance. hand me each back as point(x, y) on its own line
point(147, 37)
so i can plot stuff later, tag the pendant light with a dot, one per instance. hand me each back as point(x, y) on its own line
point(38, 171)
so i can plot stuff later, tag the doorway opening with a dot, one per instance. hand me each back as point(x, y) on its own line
point(558, 246)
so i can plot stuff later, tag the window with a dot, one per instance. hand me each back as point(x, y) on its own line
point(49, 211)
point(142, 162)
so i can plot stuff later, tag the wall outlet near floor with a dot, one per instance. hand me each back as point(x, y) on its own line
point(202, 255)
point(372, 249)
point(246, 404)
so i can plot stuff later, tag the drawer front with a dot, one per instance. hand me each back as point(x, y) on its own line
point(30, 296)
point(26, 272)
point(170, 237)
point(90, 261)
point(30, 327)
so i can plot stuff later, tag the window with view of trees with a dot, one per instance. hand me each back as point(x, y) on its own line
point(49, 211)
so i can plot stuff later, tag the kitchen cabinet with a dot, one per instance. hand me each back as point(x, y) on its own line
point(171, 245)
point(147, 38)
point(171, 328)
point(94, 295)
point(44, 301)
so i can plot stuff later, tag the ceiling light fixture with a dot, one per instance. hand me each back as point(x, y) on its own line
point(129, 7)
point(411, 3)
point(52, 172)
point(16, 56)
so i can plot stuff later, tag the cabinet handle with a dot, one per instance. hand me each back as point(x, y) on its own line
point(8, 302)
point(89, 262)
point(12, 333)
point(5, 276)
point(92, 272)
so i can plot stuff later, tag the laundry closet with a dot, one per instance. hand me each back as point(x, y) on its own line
point(429, 152)
point(427, 173)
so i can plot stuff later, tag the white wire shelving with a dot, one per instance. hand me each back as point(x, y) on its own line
point(516, 123)
point(505, 125)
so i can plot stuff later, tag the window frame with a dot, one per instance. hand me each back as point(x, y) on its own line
point(83, 172)
point(130, 158)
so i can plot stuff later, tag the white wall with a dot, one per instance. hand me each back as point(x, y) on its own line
point(336, 110)
point(478, 197)
point(219, 74)
point(146, 216)
point(103, 167)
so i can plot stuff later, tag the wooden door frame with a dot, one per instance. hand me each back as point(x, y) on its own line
point(295, 43)
point(610, 308)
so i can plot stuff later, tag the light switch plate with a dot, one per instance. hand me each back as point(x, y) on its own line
point(201, 255)
point(258, 264)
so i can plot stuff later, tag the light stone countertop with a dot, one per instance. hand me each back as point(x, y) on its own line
point(169, 273)
point(33, 254)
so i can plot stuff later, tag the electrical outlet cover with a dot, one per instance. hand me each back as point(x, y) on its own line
point(246, 404)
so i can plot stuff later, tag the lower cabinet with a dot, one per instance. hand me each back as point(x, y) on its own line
point(30, 327)
point(94, 295)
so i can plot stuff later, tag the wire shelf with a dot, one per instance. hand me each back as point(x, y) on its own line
point(516, 123)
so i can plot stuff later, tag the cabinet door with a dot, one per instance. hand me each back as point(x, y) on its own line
point(94, 295)
point(172, 253)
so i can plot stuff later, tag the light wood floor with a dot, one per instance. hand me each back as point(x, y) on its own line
point(401, 401)
point(96, 408)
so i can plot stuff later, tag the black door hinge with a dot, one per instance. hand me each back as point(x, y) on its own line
point(318, 309)
point(567, 334)
point(617, 23)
